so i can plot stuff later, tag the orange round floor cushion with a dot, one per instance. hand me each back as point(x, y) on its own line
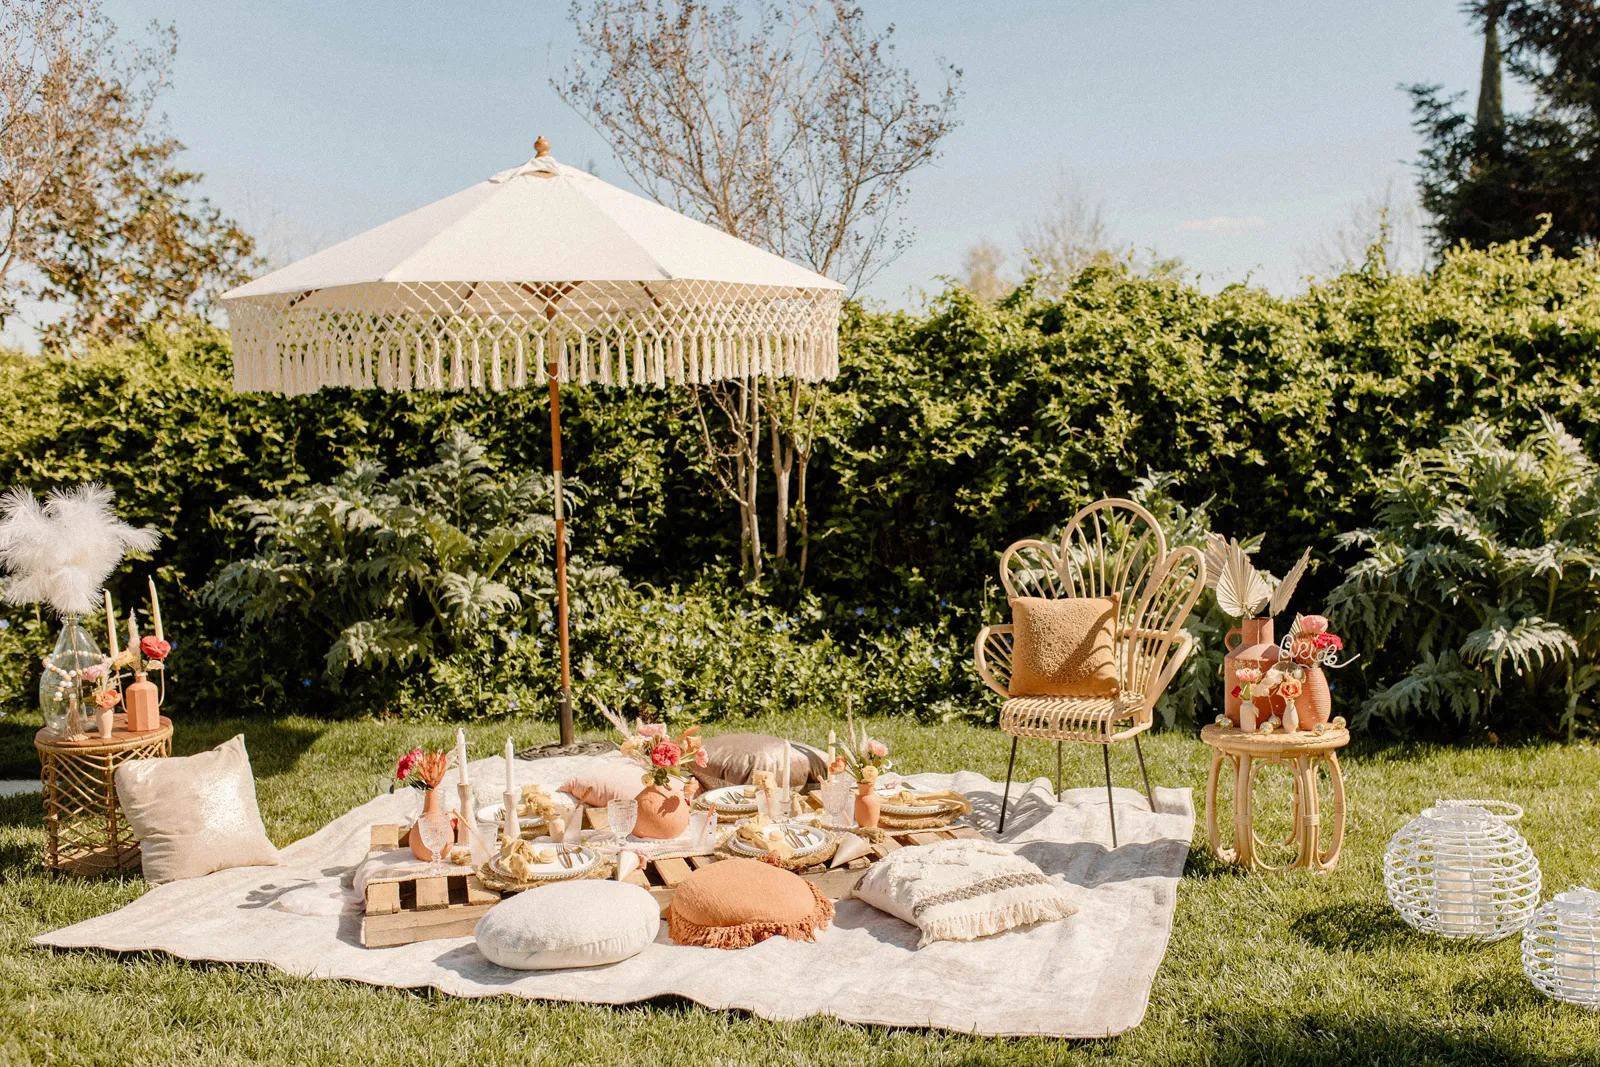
point(736, 903)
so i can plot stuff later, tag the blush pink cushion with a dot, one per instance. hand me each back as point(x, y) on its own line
point(604, 782)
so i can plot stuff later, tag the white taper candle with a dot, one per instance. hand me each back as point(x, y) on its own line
point(111, 626)
point(511, 754)
point(155, 610)
point(461, 758)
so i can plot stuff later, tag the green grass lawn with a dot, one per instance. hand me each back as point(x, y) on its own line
point(1292, 968)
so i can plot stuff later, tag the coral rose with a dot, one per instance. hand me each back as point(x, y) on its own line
point(154, 648)
point(666, 755)
point(1312, 625)
point(1289, 688)
point(108, 698)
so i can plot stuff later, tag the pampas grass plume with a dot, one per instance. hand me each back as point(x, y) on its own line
point(61, 553)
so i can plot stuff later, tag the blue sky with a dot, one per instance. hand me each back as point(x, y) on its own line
point(1235, 135)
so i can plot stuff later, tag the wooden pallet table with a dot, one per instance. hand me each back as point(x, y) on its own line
point(400, 911)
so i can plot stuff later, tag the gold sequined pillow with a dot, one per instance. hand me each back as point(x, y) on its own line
point(195, 814)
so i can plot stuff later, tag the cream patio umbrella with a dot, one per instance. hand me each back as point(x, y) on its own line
point(540, 275)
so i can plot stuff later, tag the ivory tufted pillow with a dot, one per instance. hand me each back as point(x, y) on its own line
point(736, 903)
point(1063, 648)
point(584, 923)
point(194, 814)
point(600, 784)
point(961, 890)
point(732, 758)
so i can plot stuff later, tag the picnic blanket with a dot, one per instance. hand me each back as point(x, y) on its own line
point(1086, 976)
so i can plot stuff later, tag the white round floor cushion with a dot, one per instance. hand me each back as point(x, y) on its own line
point(570, 924)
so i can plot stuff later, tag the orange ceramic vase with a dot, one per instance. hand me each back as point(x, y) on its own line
point(1254, 648)
point(663, 813)
point(430, 804)
point(868, 804)
point(143, 703)
point(1315, 703)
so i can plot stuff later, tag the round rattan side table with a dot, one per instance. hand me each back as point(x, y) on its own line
point(85, 831)
point(1302, 752)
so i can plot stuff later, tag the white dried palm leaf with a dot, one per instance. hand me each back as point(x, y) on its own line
point(61, 553)
point(1240, 589)
point(1285, 589)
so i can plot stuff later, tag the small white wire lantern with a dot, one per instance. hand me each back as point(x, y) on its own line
point(1462, 872)
point(1561, 948)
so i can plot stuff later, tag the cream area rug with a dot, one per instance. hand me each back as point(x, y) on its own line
point(1085, 976)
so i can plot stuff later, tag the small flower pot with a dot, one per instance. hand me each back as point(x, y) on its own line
point(663, 813)
point(430, 804)
point(869, 806)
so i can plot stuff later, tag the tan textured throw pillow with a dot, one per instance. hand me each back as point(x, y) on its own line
point(599, 784)
point(195, 814)
point(1063, 648)
point(732, 758)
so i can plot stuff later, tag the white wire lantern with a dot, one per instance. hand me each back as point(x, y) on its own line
point(1561, 948)
point(1462, 872)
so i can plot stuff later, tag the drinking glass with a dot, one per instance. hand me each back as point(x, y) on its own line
point(436, 836)
point(837, 793)
point(622, 814)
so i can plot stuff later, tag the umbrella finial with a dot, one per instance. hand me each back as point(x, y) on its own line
point(541, 148)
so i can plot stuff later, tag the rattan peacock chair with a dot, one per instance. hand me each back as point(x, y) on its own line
point(1110, 547)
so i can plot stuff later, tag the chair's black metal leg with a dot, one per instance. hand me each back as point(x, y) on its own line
point(1111, 804)
point(1006, 800)
point(1058, 771)
point(1148, 794)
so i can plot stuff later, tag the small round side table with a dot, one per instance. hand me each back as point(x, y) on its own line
point(85, 831)
point(1302, 752)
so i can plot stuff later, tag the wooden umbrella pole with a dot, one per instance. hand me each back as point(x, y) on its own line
point(561, 559)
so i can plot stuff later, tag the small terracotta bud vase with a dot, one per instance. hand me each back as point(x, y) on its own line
point(143, 702)
point(663, 813)
point(1316, 702)
point(430, 805)
point(868, 804)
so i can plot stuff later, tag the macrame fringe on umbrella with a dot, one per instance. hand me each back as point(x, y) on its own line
point(501, 335)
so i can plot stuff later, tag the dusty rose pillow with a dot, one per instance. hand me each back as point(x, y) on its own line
point(602, 783)
point(738, 902)
point(1063, 647)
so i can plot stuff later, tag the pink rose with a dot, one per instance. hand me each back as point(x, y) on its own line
point(108, 698)
point(1289, 689)
point(877, 749)
point(666, 755)
point(700, 759)
point(1248, 675)
point(92, 674)
point(154, 647)
point(1329, 641)
point(1312, 625)
point(652, 729)
point(408, 761)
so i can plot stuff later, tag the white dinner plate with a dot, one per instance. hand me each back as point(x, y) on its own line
point(815, 840)
point(583, 861)
point(730, 799)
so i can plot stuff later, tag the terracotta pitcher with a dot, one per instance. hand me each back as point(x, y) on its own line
point(1254, 648)
point(663, 813)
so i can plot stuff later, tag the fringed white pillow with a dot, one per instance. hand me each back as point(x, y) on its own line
point(961, 890)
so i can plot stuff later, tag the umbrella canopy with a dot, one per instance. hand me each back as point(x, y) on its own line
point(540, 275)
point(542, 264)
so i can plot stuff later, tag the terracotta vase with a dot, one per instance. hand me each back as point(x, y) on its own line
point(868, 804)
point(143, 703)
point(430, 804)
point(663, 813)
point(1315, 702)
point(1255, 648)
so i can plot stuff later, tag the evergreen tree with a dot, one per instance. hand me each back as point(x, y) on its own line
point(1494, 177)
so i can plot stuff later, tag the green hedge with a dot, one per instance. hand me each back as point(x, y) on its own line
point(953, 431)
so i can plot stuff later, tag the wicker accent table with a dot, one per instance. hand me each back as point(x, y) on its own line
point(85, 831)
point(1302, 752)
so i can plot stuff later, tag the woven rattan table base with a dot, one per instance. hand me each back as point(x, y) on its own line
point(85, 830)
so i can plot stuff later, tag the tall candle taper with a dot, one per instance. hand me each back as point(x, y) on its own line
point(155, 610)
point(111, 627)
point(509, 825)
point(469, 817)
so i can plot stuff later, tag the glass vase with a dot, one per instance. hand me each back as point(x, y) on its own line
point(59, 697)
